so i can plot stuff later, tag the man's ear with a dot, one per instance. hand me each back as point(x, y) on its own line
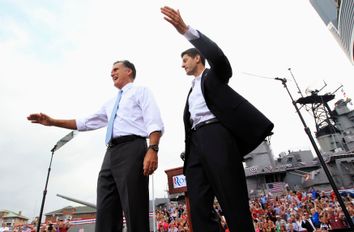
point(129, 71)
point(198, 59)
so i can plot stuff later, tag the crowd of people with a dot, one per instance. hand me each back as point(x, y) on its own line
point(310, 211)
point(293, 211)
point(172, 218)
point(58, 226)
point(300, 211)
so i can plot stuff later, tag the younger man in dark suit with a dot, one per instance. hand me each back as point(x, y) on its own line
point(220, 128)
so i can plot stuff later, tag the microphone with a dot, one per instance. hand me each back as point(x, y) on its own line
point(183, 156)
point(281, 79)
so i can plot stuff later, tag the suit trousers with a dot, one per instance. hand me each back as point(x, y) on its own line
point(214, 169)
point(122, 187)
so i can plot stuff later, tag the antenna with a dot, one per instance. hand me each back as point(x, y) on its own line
point(298, 88)
point(324, 86)
point(337, 89)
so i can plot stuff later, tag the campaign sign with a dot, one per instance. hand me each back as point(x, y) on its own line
point(179, 181)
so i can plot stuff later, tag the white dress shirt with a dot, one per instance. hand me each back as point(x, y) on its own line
point(197, 106)
point(137, 114)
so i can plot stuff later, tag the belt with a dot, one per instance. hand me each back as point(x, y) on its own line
point(123, 139)
point(204, 123)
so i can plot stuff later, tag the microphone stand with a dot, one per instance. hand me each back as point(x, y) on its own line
point(45, 189)
point(59, 144)
point(320, 158)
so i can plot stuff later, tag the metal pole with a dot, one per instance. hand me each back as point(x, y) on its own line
point(78, 201)
point(45, 192)
point(153, 204)
point(58, 145)
point(319, 155)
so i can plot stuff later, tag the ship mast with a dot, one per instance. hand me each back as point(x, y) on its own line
point(319, 155)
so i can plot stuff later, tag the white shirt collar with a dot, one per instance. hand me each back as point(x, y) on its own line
point(197, 78)
point(127, 87)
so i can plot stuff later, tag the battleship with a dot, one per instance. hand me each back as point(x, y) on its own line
point(301, 170)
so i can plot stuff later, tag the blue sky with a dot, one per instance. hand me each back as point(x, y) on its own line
point(56, 58)
point(34, 26)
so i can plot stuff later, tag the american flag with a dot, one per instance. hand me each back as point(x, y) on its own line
point(275, 187)
point(83, 221)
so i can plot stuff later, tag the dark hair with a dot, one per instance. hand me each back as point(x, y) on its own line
point(193, 52)
point(129, 65)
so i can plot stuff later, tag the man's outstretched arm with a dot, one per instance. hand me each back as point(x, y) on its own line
point(208, 48)
point(45, 120)
point(174, 17)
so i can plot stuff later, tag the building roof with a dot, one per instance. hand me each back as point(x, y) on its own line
point(77, 210)
point(10, 214)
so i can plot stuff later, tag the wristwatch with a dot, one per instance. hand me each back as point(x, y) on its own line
point(154, 147)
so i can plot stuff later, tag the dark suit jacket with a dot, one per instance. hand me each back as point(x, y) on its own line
point(305, 224)
point(248, 125)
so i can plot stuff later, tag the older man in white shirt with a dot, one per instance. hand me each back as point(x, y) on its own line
point(130, 118)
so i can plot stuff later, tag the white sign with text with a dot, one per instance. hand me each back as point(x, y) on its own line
point(179, 181)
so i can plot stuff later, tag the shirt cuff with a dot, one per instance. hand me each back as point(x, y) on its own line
point(191, 34)
point(155, 127)
point(80, 124)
